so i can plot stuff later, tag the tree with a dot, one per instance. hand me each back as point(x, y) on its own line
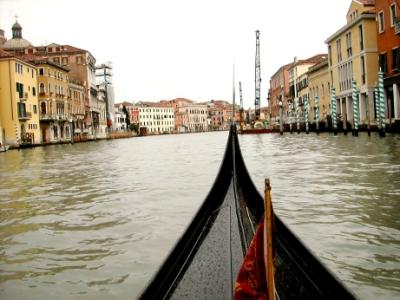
point(127, 118)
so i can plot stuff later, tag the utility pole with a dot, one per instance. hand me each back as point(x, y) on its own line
point(257, 77)
point(241, 106)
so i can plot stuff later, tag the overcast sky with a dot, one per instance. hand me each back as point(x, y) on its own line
point(164, 49)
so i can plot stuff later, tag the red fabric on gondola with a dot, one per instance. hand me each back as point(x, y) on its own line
point(251, 282)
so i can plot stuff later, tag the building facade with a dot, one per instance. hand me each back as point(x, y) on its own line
point(319, 86)
point(388, 30)
point(156, 119)
point(54, 104)
point(19, 111)
point(279, 94)
point(353, 54)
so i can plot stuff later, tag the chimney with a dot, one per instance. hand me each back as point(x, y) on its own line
point(2, 37)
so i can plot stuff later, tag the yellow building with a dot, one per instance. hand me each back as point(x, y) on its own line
point(19, 113)
point(353, 53)
point(319, 86)
point(54, 104)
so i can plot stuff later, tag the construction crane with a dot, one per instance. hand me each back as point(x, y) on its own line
point(257, 77)
point(241, 106)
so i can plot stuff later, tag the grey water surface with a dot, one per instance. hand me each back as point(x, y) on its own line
point(95, 220)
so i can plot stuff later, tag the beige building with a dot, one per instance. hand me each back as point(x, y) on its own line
point(54, 104)
point(19, 112)
point(319, 86)
point(298, 86)
point(76, 95)
point(353, 53)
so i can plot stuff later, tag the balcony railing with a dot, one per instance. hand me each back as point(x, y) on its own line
point(22, 116)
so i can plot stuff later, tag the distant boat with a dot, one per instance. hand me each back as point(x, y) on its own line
point(206, 260)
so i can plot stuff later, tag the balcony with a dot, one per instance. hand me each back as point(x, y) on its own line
point(47, 117)
point(23, 116)
point(397, 26)
point(23, 97)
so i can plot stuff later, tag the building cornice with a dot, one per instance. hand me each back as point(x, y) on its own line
point(362, 17)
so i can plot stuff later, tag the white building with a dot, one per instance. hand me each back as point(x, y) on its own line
point(156, 119)
point(197, 117)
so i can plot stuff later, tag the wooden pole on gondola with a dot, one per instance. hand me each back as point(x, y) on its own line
point(268, 242)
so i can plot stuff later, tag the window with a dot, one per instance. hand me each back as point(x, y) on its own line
point(41, 88)
point(35, 109)
point(383, 62)
point(41, 71)
point(20, 90)
point(32, 73)
point(392, 14)
point(64, 60)
point(43, 108)
point(339, 50)
point(34, 91)
point(361, 37)
point(78, 59)
point(395, 59)
point(21, 109)
point(348, 45)
point(381, 24)
point(56, 60)
point(362, 62)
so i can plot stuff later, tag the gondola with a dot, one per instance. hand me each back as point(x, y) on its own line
point(207, 258)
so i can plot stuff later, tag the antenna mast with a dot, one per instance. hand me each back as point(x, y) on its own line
point(257, 77)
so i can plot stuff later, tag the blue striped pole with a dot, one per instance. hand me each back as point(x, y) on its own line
point(382, 103)
point(297, 115)
point(316, 104)
point(334, 117)
point(355, 107)
point(307, 114)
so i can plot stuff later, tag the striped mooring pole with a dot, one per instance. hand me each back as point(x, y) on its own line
point(382, 104)
point(316, 105)
point(290, 116)
point(377, 108)
point(333, 104)
point(307, 114)
point(355, 108)
point(298, 115)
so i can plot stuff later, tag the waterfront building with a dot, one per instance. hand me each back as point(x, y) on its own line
point(19, 113)
point(76, 92)
point(155, 118)
point(82, 68)
point(353, 54)
point(279, 92)
point(119, 123)
point(319, 86)
point(388, 31)
point(54, 104)
point(298, 85)
point(197, 117)
point(181, 118)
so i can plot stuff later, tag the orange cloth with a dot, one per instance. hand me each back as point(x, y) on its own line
point(251, 282)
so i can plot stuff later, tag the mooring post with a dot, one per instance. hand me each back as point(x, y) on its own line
point(268, 241)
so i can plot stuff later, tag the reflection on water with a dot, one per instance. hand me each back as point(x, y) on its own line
point(341, 195)
point(95, 220)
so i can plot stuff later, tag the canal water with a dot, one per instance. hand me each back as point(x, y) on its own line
point(95, 220)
